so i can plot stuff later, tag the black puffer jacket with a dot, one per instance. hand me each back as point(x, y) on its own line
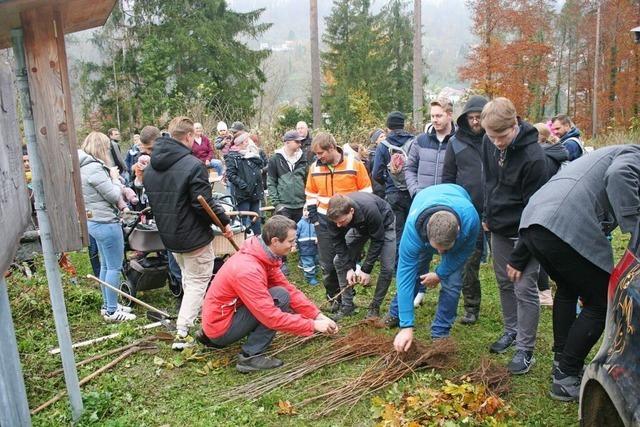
point(463, 158)
point(509, 186)
point(173, 181)
point(246, 176)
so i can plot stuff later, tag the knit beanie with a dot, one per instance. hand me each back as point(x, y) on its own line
point(395, 120)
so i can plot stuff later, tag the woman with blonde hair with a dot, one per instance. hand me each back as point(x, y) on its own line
point(102, 190)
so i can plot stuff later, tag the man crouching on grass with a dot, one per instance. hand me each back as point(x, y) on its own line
point(250, 297)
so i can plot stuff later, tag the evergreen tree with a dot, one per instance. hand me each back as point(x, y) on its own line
point(397, 41)
point(168, 56)
point(351, 63)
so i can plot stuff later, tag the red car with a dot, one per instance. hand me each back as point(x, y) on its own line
point(610, 391)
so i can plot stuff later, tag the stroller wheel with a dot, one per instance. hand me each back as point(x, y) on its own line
point(131, 290)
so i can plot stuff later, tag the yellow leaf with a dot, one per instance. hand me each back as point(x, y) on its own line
point(286, 408)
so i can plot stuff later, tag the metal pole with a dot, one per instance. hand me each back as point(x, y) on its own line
point(596, 64)
point(14, 407)
point(50, 260)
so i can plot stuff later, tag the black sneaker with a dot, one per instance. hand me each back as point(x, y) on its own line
point(258, 362)
point(564, 387)
point(373, 312)
point(503, 343)
point(203, 339)
point(345, 311)
point(391, 321)
point(522, 362)
point(468, 319)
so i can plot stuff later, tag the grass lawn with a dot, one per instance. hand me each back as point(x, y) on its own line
point(139, 392)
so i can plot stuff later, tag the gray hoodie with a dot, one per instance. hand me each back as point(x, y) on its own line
point(100, 194)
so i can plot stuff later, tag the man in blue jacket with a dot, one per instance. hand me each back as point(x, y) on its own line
point(569, 135)
point(443, 220)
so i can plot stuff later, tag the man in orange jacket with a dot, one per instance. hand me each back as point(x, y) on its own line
point(250, 297)
point(334, 172)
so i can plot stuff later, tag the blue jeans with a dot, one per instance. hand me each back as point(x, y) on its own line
point(446, 311)
point(174, 268)
point(309, 263)
point(217, 166)
point(424, 262)
point(253, 206)
point(110, 241)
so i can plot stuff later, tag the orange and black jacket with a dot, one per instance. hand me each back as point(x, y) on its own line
point(325, 181)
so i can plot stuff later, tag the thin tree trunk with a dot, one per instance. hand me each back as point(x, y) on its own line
point(594, 105)
point(417, 65)
point(315, 64)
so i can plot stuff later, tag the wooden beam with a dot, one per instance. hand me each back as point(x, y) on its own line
point(53, 117)
point(78, 14)
point(15, 208)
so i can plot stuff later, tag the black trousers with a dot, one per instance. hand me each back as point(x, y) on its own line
point(400, 202)
point(575, 277)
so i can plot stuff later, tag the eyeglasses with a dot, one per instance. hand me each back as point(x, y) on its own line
point(474, 118)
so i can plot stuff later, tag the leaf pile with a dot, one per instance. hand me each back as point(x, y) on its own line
point(454, 403)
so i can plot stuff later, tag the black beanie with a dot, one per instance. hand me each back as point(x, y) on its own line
point(395, 120)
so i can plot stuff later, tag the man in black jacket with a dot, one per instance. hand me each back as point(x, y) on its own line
point(353, 219)
point(463, 166)
point(515, 168)
point(173, 180)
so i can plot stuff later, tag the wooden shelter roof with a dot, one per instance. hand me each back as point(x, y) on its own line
point(77, 15)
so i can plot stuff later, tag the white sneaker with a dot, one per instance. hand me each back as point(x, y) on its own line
point(119, 316)
point(417, 301)
point(124, 308)
point(182, 340)
point(545, 298)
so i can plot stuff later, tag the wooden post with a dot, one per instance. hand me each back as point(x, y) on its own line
point(46, 235)
point(55, 131)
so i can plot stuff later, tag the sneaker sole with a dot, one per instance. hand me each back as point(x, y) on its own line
point(248, 369)
point(562, 398)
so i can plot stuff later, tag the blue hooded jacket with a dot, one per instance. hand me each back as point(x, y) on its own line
point(380, 172)
point(306, 238)
point(450, 197)
point(569, 142)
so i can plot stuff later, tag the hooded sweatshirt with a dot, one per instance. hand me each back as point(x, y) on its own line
point(286, 178)
point(380, 171)
point(244, 280)
point(511, 178)
point(463, 158)
point(571, 141)
point(173, 181)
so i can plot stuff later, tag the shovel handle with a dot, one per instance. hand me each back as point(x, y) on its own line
point(216, 220)
point(126, 295)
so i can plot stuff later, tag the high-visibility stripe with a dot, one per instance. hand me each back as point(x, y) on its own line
point(306, 239)
point(322, 210)
point(366, 190)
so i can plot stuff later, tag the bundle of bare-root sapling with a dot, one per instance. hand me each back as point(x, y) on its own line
point(390, 367)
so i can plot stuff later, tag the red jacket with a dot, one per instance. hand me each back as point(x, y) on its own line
point(202, 151)
point(244, 279)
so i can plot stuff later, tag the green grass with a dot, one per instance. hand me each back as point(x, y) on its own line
point(139, 393)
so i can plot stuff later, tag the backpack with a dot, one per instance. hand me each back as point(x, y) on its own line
point(397, 162)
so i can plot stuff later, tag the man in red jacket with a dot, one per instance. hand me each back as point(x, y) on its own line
point(250, 297)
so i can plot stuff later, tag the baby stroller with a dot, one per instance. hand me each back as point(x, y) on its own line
point(221, 246)
point(145, 263)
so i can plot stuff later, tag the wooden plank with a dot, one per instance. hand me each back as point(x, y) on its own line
point(53, 118)
point(15, 208)
point(78, 14)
